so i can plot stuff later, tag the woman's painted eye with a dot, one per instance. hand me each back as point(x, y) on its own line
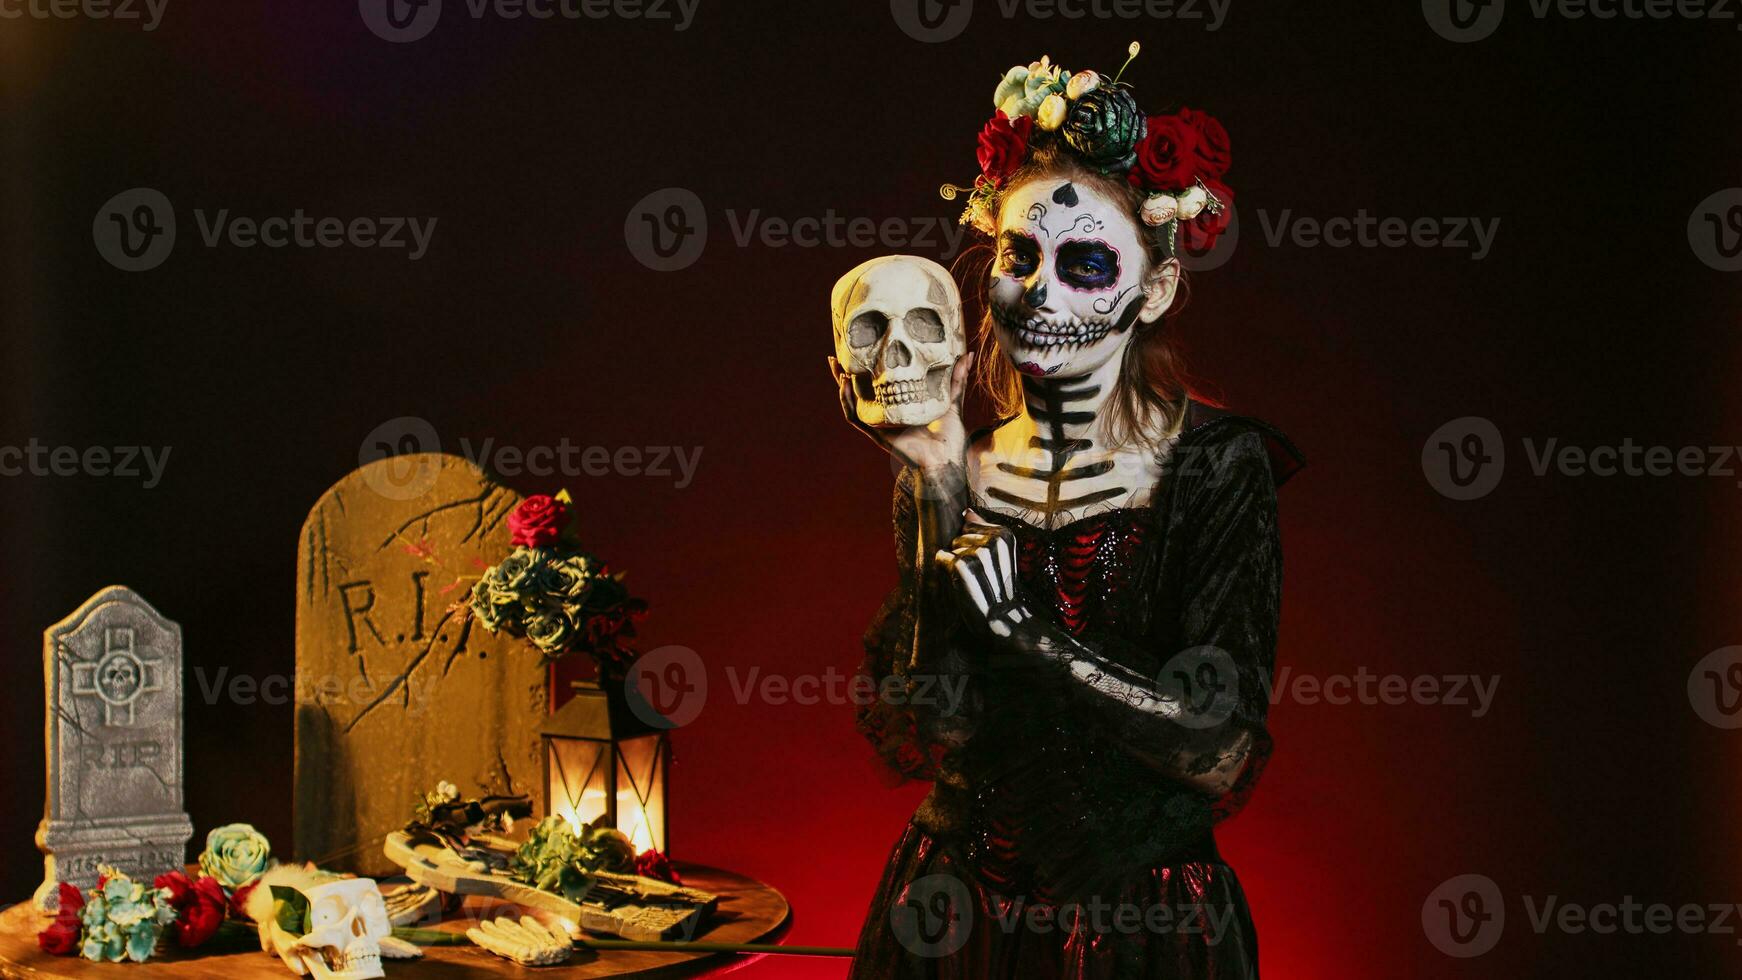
point(1018, 256)
point(1088, 265)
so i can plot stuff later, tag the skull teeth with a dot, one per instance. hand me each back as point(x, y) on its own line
point(332, 963)
point(900, 392)
point(1035, 332)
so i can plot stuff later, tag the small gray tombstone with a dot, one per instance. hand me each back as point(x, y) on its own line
point(113, 685)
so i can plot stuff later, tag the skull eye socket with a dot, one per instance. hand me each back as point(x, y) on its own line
point(925, 325)
point(326, 911)
point(866, 328)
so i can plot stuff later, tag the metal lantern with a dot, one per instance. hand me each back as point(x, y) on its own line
point(600, 760)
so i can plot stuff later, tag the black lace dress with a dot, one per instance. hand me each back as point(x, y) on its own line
point(1058, 839)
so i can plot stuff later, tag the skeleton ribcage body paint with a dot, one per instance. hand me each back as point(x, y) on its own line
point(1048, 468)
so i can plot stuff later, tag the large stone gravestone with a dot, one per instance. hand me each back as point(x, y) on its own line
point(112, 676)
point(395, 692)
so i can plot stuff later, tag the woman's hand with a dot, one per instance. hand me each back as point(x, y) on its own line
point(934, 448)
point(982, 564)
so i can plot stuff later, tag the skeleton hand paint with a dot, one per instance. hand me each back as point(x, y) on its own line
point(982, 564)
point(1068, 281)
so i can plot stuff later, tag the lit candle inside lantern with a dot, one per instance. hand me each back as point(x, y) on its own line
point(605, 764)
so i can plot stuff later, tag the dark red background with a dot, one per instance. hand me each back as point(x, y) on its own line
point(529, 322)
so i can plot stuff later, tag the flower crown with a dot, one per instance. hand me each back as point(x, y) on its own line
point(1178, 158)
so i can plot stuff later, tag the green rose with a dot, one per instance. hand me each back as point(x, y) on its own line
point(519, 571)
point(1104, 127)
point(549, 631)
point(556, 578)
point(509, 586)
point(236, 854)
point(567, 578)
point(493, 609)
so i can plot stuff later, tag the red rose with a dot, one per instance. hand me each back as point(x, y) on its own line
point(200, 905)
point(1212, 143)
point(239, 902)
point(179, 886)
point(1003, 144)
point(538, 521)
point(71, 899)
point(652, 863)
point(1167, 157)
point(61, 938)
point(1200, 234)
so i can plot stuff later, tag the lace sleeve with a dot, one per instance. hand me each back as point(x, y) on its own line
point(1229, 609)
point(913, 676)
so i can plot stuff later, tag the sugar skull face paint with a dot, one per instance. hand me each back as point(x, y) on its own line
point(1067, 284)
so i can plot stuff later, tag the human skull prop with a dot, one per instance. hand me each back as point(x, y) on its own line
point(898, 333)
point(348, 932)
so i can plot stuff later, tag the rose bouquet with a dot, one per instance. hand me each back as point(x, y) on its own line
point(118, 920)
point(551, 593)
point(121, 919)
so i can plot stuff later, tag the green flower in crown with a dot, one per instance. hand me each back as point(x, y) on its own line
point(1023, 89)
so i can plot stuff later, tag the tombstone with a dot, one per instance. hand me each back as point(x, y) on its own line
point(113, 686)
point(395, 691)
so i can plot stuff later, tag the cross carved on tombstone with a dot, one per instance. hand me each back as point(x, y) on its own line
point(119, 678)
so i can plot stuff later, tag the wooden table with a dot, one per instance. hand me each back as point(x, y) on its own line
point(749, 911)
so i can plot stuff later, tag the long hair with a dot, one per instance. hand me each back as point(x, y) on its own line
point(1148, 403)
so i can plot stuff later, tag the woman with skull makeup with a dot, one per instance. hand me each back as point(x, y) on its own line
point(1100, 573)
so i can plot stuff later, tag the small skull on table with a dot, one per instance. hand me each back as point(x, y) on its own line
point(348, 931)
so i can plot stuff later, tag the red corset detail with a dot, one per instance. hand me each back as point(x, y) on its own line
point(1087, 569)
